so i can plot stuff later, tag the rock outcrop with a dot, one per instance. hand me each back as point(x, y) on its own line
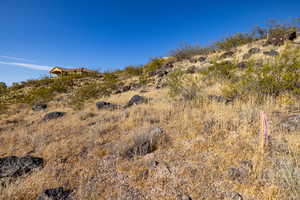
point(14, 166)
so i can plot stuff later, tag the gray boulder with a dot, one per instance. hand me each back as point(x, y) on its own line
point(272, 53)
point(227, 54)
point(219, 99)
point(13, 166)
point(106, 105)
point(38, 107)
point(136, 99)
point(202, 59)
point(53, 115)
point(242, 65)
point(55, 194)
point(292, 36)
point(253, 51)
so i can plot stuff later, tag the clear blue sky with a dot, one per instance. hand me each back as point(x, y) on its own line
point(110, 34)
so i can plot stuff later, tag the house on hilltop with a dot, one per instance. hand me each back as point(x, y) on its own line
point(59, 71)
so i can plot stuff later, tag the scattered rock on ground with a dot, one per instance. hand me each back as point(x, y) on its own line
point(292, 36)
point(202, 59)
point(53, 115)
point(122, 89)
point(219, 99)
point(13, 166)
point(227, 54)
point(242, 65)
point(253, 51)
point(55, 194)
point(185, 197)
point(136, 99)
point(271, 53)
point(38, 107)
point(237, 196)
point(106, 105)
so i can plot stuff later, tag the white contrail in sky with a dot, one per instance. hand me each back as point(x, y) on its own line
point(27, 65)
point(15, 58)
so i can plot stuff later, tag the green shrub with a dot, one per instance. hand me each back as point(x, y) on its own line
point(220, 71)
point(133, 71)
point(94, 90)
point(3, 88)
point(154, 64)
point(234, 41)
point(186, 87)
point(38, 95)
point(186, 51)
point(268, 80)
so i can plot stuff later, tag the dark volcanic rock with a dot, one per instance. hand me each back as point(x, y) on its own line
point(237, 196)
point(271, 53)
point(219, 99)
point(253, 51)
point(106, 105)
point(38, 107)
point(53, 115)
point(292, 36)
point(185, 197)
point(227, 54)
point(16, 166)
point(136, 99)
point(242, 65)
point(55, 194)
point(202, 59)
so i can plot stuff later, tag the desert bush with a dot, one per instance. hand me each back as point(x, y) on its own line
point(268, 80)
point(234, 41)
point(46, 91)
point(3, 88)
point(146, 142)
point(16, 86)
point(153, 65)
point(94, 90)
point(133, 70)
point(220, 71)
point(274, 28)
point(38, 95)
point(188, 51)
point(184, 86)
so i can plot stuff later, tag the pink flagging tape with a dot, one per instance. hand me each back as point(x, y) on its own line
point(265, 126)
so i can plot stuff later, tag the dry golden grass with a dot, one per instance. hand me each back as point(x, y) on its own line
point(205, 140)
point(210, 150)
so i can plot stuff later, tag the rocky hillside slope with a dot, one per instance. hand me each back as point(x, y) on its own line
point(172, 129)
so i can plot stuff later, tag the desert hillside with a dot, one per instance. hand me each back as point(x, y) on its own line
point(215, 124)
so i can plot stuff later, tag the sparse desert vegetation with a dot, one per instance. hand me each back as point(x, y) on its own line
point(187, 126)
